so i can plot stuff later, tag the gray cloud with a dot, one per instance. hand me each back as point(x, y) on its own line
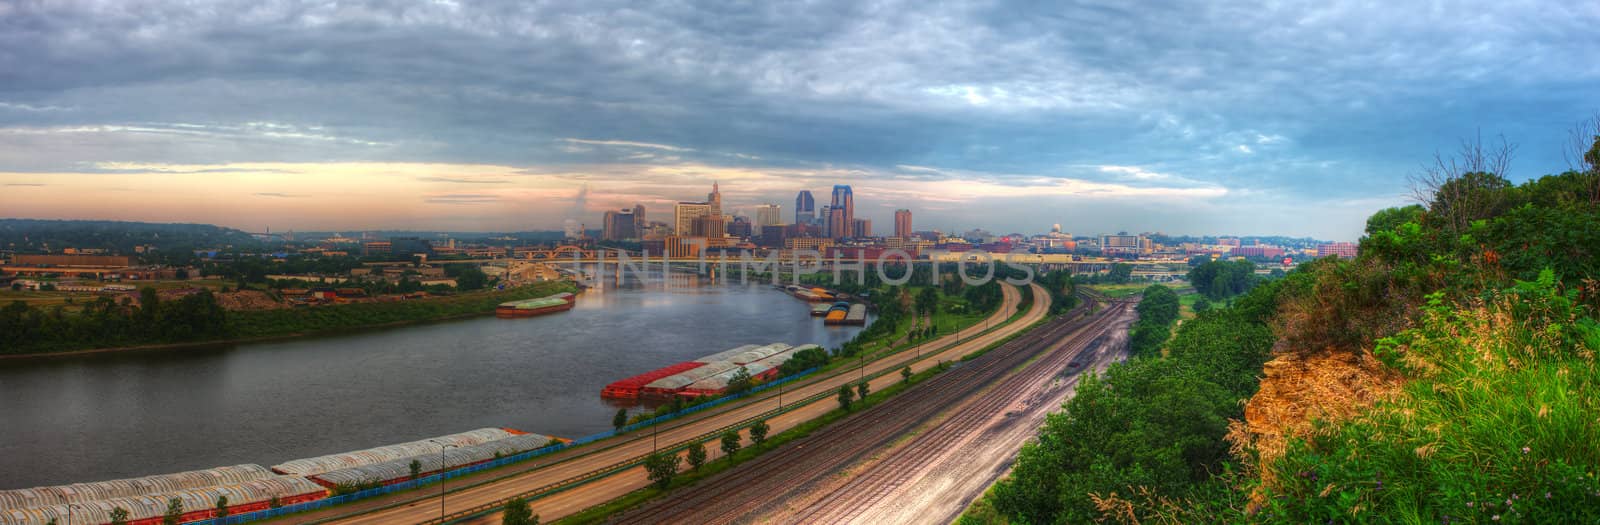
point(279, 195)
point(24, 184)
point(1350, 97)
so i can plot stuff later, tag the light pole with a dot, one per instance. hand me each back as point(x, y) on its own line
point(70, 506)
point(442, 468)
point(780, 395)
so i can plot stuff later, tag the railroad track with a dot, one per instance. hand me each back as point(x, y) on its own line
point(816, 456)
point(846, 503)
point(561, 485)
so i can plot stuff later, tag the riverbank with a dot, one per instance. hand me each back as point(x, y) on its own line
point(255, 326)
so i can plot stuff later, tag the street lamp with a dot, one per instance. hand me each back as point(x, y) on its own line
point(442, 468)
point(70, 506)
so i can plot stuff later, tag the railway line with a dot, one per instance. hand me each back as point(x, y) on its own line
point(870, 489)
point(765, 481)
point(567, 483)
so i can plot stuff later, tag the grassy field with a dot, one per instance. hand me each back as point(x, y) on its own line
point(1118, 291)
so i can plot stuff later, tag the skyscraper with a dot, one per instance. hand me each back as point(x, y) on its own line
point(843, 201)
point(620, 225)
point(684, 214)
point(768, 215)
point(715, 199)
point(805, 208)
point(902, 224)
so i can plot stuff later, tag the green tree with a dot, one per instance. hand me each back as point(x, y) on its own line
point(222, 507)
point(662, 467)
point(274, 503)
point(928, 301)
point(758, 432)
point(119, 516)
point(620, 420)
point(416, 469)
point(471, 278)
point(516, 512)
point(845, 397)
point(697, 455)
point(174, 512)
point(1120, 273)
point(905, 374)
point(730, 444)
point(1387, 220)
point(862, 389)
point(740, 382)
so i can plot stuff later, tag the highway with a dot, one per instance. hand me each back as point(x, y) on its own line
point(577, 470)
point(843, 472)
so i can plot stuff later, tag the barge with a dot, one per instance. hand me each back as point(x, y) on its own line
point(705, 376)
point(560, 302)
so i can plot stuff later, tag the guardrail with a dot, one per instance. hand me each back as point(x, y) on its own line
point(495, 463)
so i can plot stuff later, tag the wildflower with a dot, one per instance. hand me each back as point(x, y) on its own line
point(1514, 496)
point(1524, 450)
point(1547, 495)
point(1496, 517)
point(1469, 504)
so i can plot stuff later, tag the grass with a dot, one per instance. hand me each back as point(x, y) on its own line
point(1118, 291)
point(1496, 423)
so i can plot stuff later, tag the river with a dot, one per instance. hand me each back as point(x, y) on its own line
point(106, 416)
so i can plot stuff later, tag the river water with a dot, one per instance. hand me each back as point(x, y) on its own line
point(96, 417)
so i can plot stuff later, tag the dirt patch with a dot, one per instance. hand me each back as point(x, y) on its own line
point(248, 300)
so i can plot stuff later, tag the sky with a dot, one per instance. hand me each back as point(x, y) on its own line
point(1282, 118)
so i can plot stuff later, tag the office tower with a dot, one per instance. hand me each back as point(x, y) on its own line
point(805, 208)
point(768, 215)
point(902, 224)
point(684, 214)
point(843, 201)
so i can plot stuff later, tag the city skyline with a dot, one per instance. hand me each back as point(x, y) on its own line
point(1104, 117)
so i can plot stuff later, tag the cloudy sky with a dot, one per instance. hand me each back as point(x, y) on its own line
point(1295, 118)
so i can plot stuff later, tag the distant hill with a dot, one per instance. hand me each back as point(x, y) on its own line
point(37, 235)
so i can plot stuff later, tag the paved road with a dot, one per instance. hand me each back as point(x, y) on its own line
point(835, 475)
point(420, 507)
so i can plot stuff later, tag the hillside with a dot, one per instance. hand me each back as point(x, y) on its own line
point(1445, 375)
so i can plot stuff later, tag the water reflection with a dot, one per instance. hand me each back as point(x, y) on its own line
point(114, 415)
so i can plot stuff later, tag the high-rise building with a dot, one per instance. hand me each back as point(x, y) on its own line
point(741, 227)
point(684, 214)
point(838, 227)
point(805, 208)
point(768, 215)
point(861, 228)
point(1122, 243)
point(1345, 250)
point(621, 224)
point(639, 222)
point(902, 223)
point(843, 201)
point(715, 199)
